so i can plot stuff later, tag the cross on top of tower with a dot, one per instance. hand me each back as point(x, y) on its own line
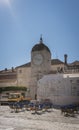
point(41, 40)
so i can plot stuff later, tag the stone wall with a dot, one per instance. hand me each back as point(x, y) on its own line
point(61, 89)
point(38, 71)
point(23, 76)
point(8, 78)
point(57, 67)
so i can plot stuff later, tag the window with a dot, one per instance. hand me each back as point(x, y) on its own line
point(77, 81)
point(20, 71)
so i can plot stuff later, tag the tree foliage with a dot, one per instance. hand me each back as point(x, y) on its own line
point(12, 88)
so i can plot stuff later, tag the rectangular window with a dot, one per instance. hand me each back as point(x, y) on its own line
point(77, 81)
point(20, 71)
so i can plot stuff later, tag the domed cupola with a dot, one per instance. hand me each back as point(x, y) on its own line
point(40, 46)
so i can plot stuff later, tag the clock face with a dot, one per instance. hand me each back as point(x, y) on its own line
point(38, 59)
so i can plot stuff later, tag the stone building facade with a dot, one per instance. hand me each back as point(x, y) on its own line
point(27, 75)
point(8, 78)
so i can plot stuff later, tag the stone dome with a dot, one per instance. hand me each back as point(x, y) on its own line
point(40, 46)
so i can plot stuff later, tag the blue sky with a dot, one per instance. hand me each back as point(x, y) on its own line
point(23, 21)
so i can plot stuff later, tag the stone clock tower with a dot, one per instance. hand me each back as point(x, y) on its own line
point(40, 64)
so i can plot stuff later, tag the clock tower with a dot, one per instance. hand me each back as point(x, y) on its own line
point(40, 64)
